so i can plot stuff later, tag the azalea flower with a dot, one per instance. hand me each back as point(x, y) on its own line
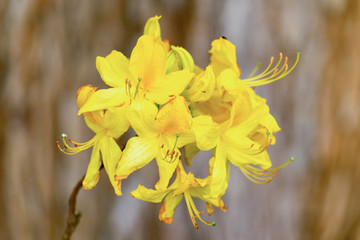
point(223, 56)
point(107, 126)
point(143, 76)
point(160, 135)
point(171, 103)
point(239, 127)
point(185, 185)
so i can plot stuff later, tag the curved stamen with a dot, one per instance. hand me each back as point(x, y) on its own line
point(173, 155)
point(78, 147)
point(273, 74)
point(192, 209)
point(137, 87)
point(262, 176)
point(256, 68)
point(262, 148)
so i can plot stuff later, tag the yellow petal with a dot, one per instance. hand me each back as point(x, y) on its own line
point(203, 86)
point(229, 81)
point(110, 152)
point(180, 56)
point(168, 208)
point(203, 193)
point(215, 107)
point(152, 27)
point(93, 171)
point(149, 195)
point(207, 132)
point(141, 115)
point(270, 123)
point(223, 55)
point(186, 138)
point(96, 125)
point(242, 109)
point(167, 87)
point(83, 94)
point(167, 163)
point(244, 127)
point(115, 121)
point(190, 150)
point(137, 153)
point(105, 98)
point(239, 158)
point(114, 69)
point(148, 60)
point(220, 172)
point(174, 117)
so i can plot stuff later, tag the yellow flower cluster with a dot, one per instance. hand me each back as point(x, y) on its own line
point(173, 104)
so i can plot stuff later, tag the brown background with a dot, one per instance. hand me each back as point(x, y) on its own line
point(48, 50)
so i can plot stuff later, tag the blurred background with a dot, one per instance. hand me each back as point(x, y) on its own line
point(48, 50)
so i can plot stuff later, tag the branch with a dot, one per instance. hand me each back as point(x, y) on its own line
point(73, 217)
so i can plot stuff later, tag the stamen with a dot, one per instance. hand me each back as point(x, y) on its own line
point(258, 65)
point(172, 159)
point(78, 147)
point(192, 209)
point(262, 176)
point(273, 74)
point(137, 87)
point(128, 87)
point(262, 147)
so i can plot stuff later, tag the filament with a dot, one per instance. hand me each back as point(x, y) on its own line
point(192, 209)
point(262, 176)
point(173, 155)
point(78, 147)
point(137, 87)
point(262, 148)
point(272, 74)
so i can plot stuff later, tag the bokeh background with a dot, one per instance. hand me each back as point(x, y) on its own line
point(48, 50)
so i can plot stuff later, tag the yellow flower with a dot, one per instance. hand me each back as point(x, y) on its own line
point(160, 134)
point(223, 56)
point(185, 185)
point(141, 77)
point(107, 126)
point(202, 87)
point(240, 128)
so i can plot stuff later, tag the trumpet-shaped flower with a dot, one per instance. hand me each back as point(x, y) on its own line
point(223, 56)
point(107, 125)
point(141, 77)
point(160, 134)
point(241, 134)
point(185, 185)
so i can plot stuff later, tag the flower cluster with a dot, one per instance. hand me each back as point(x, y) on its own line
point(178, 109)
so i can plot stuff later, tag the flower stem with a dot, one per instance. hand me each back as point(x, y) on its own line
point(73, 217)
